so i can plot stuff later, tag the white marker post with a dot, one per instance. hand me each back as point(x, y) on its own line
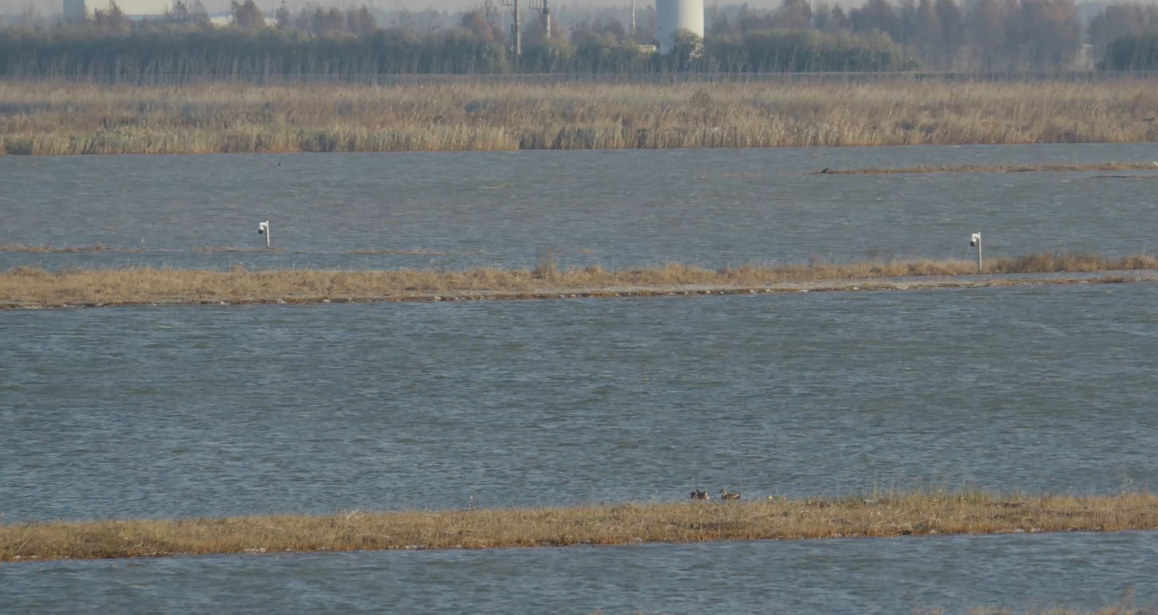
point(975, 240)
point(263, 229)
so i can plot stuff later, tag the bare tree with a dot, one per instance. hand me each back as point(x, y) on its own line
point(246, 15)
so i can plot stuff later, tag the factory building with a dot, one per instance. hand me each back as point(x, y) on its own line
point(671, 16)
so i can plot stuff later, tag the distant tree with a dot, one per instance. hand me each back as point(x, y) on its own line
point(1133, 52)
point(985, 33)
point(830, 19)
point(645, 26)
point(927, 34)
point(179, 12)
point(876, 16)
point(1051, 32)
point(361, 22)
point(476, 23)
point(952, 31)
point(793, 15)
point(686, 46)
point(283, 16)
point(1117, 20)
point(112, 18)
point(246, 15)
point(198, 14)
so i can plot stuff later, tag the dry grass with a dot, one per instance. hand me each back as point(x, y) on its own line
point(29, 287)
point(1122, 609)
point(70, 118)
point(1001, 168)
point(780, 519)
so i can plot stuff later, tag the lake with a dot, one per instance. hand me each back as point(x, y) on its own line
point(228, 410)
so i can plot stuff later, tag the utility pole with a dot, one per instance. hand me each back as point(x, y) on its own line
point(514, 4)
point(633, 19)
point(547, 18)
point(544, 9)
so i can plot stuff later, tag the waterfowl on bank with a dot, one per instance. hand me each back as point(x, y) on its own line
point(700, 495)
point(726, 495)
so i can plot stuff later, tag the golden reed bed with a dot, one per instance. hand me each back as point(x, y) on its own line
point(69, 118)
point(876, 516)
point(30, 288)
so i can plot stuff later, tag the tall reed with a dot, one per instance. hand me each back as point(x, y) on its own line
point(72, 118)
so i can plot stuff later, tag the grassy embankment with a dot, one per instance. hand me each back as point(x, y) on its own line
point(28, 287)
point(998, 168)
point(876, 516)
point(62, 118)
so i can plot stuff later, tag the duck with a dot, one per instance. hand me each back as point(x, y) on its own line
point(700, 495)
point(726, 495)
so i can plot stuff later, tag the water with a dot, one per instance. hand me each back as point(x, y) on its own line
point(192, 411)
point(615, 208)
point(209, 411)
point(902, 576)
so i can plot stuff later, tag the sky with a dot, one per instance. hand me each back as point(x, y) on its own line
point(51, 7)
point(47, 7)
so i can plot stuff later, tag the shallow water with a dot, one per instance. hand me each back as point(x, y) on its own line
point(209, 411)
point(193, 411)
point(616, 208)
point(911, 575)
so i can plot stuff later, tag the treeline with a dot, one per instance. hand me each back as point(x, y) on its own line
point(987, 36)
point(350, 44)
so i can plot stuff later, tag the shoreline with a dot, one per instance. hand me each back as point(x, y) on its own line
point(1001, 168)
point(850, 285)
point(27, 288)
point(874, 516)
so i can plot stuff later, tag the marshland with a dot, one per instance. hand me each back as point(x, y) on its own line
point(26, 287)
point(196, 429)
point(873, 516)
point(61, 118)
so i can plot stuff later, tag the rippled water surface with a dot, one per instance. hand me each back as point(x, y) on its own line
point(923, 575)
point(194, 411)
point(209, 411)
point(611, 207)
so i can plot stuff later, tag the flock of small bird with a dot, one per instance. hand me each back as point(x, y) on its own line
point(724, 495)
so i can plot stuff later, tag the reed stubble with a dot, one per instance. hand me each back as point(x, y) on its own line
point(57, 118)
point(25, 287)
point(875, 516)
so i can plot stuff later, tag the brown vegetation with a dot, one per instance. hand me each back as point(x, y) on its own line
point(59, 118)
point(875, 516)
point(998, 168)
point(28, 287)
point(1119, 609)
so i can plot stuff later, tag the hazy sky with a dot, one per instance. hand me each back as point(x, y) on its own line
point(54, 6)
point(49, 7)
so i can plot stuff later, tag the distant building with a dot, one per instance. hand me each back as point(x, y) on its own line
point(131, 8)
point(674, 16)
point(74, 10)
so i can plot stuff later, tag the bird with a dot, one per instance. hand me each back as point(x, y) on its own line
point(700, 495)
point(726, 495)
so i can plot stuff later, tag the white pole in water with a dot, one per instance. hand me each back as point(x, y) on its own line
point(975, 240)
point(263, 229)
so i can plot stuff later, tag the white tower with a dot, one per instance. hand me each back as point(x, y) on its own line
point(671, 16)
